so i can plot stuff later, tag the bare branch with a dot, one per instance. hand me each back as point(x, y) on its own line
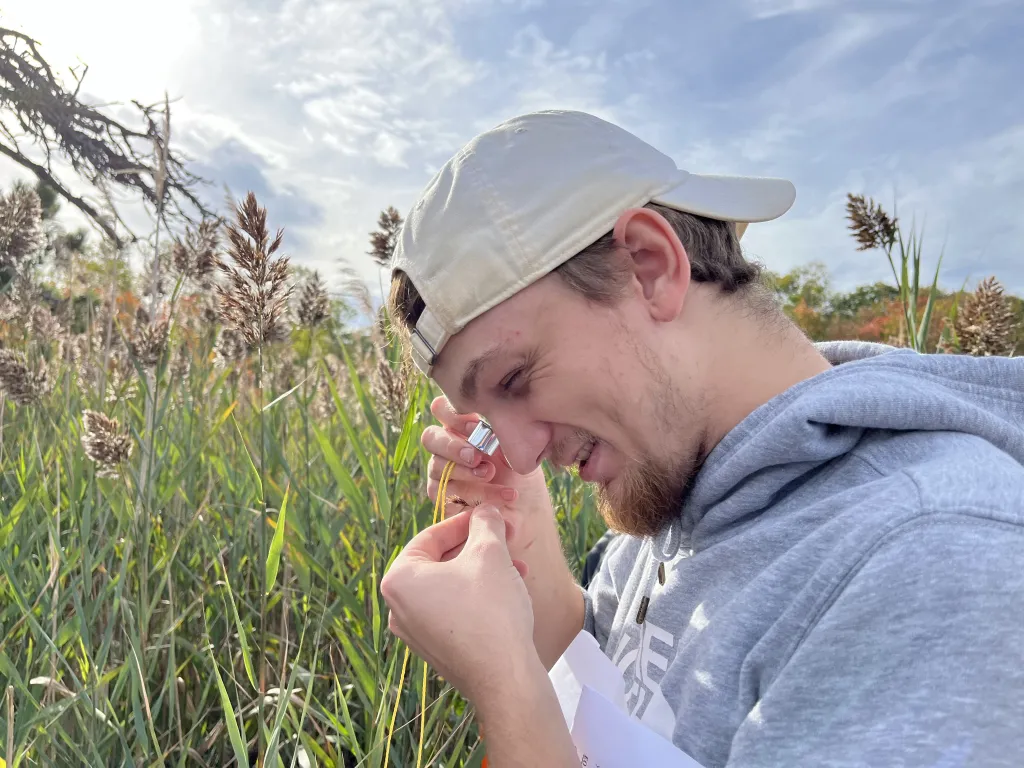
point(105, 152)
point(78, 202)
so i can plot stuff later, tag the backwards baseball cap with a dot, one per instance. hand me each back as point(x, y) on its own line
point(526, 196)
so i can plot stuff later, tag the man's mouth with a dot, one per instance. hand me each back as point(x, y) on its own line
point(584, 454)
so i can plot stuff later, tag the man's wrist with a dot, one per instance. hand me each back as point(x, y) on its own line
point(522, 722)
point(565, 620)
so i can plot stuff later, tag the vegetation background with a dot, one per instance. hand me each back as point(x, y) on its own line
point(207, 462)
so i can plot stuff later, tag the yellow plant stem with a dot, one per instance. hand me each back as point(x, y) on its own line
point(442, 492)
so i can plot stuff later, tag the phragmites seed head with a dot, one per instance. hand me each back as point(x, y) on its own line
point(43, 325)
point(323, 402)
point(196, 257)
point(230, 348)
point(21, 224)
point(147, 341)
point(122, 383)
point(181, 364)
point(9, 309)
point(985, 323)
point(388, 387)
point(256, 298)
point(385, 238)
point(872, 227)
point(19, 382)
point(314, 303)
point(105, 442)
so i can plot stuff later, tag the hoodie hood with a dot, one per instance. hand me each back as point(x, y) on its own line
point(870, 387)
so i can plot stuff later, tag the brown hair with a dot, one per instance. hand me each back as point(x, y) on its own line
point(713, 248)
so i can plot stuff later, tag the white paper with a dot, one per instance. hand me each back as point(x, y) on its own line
point(584, 663)
point(591, 693)
point(606, 737)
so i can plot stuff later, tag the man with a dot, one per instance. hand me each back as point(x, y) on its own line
point(821, 549)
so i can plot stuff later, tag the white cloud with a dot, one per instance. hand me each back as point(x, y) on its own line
point(350, 107)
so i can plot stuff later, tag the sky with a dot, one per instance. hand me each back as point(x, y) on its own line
point(332, 111)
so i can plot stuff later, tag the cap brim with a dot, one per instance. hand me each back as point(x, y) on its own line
point(743, 199)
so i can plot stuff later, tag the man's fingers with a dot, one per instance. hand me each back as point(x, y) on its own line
point(449, 447)
point(483, 471)
point(462, 423)
point(451, 554)
point(462, 495)
point(431, 543)
point(487, 531)
point(522, 568)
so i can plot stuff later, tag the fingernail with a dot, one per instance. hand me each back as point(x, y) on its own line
point(509, 494)
point(466, 454)
point(481, 471)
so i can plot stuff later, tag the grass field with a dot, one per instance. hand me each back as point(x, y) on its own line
point(197, 508)
point(205, 470)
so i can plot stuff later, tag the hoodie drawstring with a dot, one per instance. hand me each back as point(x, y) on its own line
point(664, 547)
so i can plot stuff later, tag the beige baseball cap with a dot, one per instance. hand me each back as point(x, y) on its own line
point(527, 195)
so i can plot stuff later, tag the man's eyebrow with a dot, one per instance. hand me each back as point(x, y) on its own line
point(468, 386)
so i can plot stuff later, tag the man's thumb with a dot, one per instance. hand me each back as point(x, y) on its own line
point(487, 525)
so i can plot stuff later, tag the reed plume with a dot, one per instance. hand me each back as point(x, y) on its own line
point(872, 227)
point(181, 363)
point(314, 303)
point(105, 442)
point(21, 224)
point(196, 256)
point(148, 339)
point(985, 323)
point(43, 325)
point(230, 348)
point(389, 389)
point(18, 381)
point(256, 298)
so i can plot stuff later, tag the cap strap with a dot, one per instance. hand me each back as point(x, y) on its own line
point(428, 337)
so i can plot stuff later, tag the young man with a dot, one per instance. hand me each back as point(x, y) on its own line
point(821, 549)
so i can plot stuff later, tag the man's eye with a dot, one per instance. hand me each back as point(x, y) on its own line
point(511, 379)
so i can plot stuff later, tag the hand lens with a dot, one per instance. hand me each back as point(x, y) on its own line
point(483, 438)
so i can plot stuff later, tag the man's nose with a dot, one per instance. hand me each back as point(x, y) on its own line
point(523, 443)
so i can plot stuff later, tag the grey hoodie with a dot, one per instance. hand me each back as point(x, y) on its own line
point(844, 585)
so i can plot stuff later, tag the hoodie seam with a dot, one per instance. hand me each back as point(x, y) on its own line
point(961, 516)
point(876, 469)
point(795, 394)
point(1006, 394)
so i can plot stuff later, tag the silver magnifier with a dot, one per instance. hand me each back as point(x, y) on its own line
point(483, 438)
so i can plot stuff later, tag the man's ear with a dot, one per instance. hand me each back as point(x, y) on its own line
point(661, 266)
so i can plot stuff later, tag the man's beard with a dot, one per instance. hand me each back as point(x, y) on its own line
point(651, 490)
point(647, 496)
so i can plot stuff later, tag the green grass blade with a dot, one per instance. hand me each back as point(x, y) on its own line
point(277, 544)
point(230, 719)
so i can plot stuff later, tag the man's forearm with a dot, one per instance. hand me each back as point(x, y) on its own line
point(523, 724)
point(559, 610)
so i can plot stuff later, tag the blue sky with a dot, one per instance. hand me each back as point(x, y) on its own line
point(331, 111)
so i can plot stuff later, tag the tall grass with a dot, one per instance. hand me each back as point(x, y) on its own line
point(230, 615)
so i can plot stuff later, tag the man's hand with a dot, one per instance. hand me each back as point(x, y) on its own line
point(469, 616)
point(524, 502)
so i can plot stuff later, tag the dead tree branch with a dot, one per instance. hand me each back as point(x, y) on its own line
point(36, 109)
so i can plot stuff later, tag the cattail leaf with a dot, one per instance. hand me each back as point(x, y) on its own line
point(243, 635)
point(281, 397)
point(12, 517)
point(248, 455)
point(230, 719)
point(926, 319)
point(364, 402)
point(346, 422)
point(405, 439)
point(277, 544)
point(349, 491)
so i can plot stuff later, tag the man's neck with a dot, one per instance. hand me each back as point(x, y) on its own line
point(750, 357)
